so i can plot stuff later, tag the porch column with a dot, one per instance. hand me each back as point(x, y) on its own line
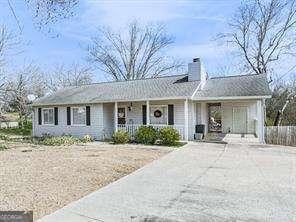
point(115, 116)
point(205, 117)
point(186, 119)
point(148, 112)
point(260, 121)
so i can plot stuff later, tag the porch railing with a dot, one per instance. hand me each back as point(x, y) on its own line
point(132, 128)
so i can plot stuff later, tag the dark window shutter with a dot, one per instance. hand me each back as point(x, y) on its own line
point(56, 116)
point(171, 114)
point(68, 115)
point(88, 115)
point(39, 116)
point(144, 113)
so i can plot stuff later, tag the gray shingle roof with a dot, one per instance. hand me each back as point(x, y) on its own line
point(159, 88)
point(232, 86)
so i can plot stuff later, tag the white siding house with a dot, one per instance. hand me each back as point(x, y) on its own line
point(233, 104)
point(95, 129)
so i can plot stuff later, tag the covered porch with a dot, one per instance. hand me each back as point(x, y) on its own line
point(230, 119)
point(130, 115)
point(241, 117)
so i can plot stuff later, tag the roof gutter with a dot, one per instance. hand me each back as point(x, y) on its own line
point(112, 101)
point(159, 99)
point(231, 98)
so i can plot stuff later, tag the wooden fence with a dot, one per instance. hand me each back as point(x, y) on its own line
point(281, 135)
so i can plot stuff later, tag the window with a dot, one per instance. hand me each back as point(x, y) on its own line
point(121, 115)
point(48, 117)
point(79, 115)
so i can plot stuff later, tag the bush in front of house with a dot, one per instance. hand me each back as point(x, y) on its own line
point(4, 137)
point(65, 140)
point(169, 136)
point(87, 139)
point(120, 137)
point(146, 135)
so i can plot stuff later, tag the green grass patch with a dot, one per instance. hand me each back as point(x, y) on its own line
point(175, 145)
point(179, 144)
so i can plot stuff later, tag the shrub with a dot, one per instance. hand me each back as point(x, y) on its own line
point(3, 147)
point(121, 137)
point(87, 139)
point(4, 137)
point(146, 135)
point(59, 140)
point(169, 136)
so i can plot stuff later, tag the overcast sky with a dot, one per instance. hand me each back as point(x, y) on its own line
point(194, 24)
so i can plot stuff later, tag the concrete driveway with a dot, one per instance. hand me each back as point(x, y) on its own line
point(201, 182)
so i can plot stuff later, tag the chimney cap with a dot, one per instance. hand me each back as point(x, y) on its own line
point(196, 59)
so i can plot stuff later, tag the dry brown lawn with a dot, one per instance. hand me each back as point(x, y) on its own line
point(44, 179)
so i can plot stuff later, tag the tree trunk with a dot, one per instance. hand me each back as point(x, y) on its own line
point(279, 115)
point(276, 121)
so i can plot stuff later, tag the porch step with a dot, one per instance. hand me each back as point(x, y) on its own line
point(241, 138)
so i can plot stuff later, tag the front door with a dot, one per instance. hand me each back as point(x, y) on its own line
point(240, 119)
point(215, 118)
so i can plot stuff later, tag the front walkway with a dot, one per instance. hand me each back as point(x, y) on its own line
point(202, 182)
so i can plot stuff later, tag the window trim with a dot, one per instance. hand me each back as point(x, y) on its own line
point(47, 124)
point(72, 115)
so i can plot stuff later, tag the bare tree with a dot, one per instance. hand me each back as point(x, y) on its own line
point(46, 12)
point(281, 107)
point(263, 32)
point(8, 45)
point(28, 81)
point(8, 41)
point(74, 76)
point(135, 54)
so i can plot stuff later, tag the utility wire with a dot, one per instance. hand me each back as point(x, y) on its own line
point(14, 15)
point(293, 67)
